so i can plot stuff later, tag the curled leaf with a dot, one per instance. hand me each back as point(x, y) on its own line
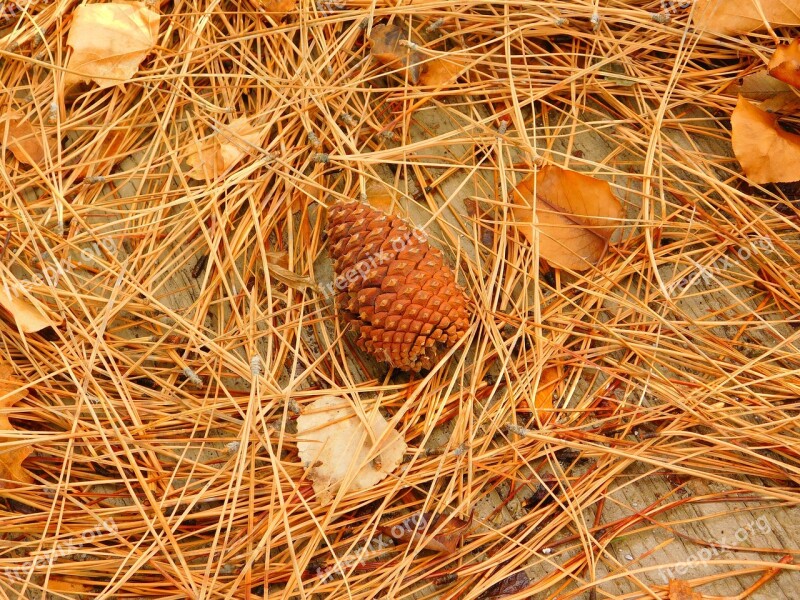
point(574, 214)
point(423, 525)
point(13, 298)
point(785, 63)
point(11, 392)
point(730, 17)
point(109, 42)
point(767, 152)
point(217, 153)
point(24, 140)
point(338, 446)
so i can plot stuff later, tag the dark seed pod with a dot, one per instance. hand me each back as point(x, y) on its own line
point(394, 287)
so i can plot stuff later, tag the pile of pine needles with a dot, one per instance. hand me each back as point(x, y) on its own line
point(196, 323)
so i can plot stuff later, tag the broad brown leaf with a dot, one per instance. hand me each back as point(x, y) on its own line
point(388, 48)
point(767, 153)
point(785, 63)
point(217, 153)
point(67, 586)
point(25, 141)
point(28, 317)
point(575, 216)
point(420, 526)
point(730, 17)
point(513, 584)
point(109, 42)
point(277, 8)
point(11, 392)
point(767, 93)
point(543, 401)
point(680, 590)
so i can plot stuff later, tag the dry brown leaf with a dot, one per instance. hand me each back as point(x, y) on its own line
point(729, 17)
point(543, 401)
point(390, 49)
point(513, 584)
point(768, 93)
point(220, 151)
point(28, 317)
point(103, 156)
point(338, 448)
point(767, 153)
point(421, 526)
point(67, 586)
point(379, 195)
point(440, 72)
point(785, 63)
point(680, 590)
point(25, 141)
point(575, 215)
point(387, 49)
point(109, 42)
point(277, 8)
point(11, 392)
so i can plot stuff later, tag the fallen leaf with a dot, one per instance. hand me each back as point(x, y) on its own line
point(11, 392)
point(680, 590)
point(217, 153)
point(730, 17)
point(767, 152)
point(379, 195)
point(440, 72)
point(338, 447)
point(28, 317)
point(109, 42)
point(768, 93)
point(390, 48)
point(543, 401)
point(279, 269)
point(100, 157)
point(25, 141)
point(422, 525)
point(785, 63)
point(575, 216)
point(67, 586)
point(513, 584)
point(277, 8)
point(387, 49)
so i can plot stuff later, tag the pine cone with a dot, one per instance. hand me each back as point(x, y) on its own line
point(394, 287)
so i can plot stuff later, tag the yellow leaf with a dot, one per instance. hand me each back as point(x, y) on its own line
point(767, 153)
point(28, 317)
point(785, 63)
point(730, 17)
point(216, 154)
point(575, 216)
point(24, 140)
point(109, 42)
point(11, 391)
